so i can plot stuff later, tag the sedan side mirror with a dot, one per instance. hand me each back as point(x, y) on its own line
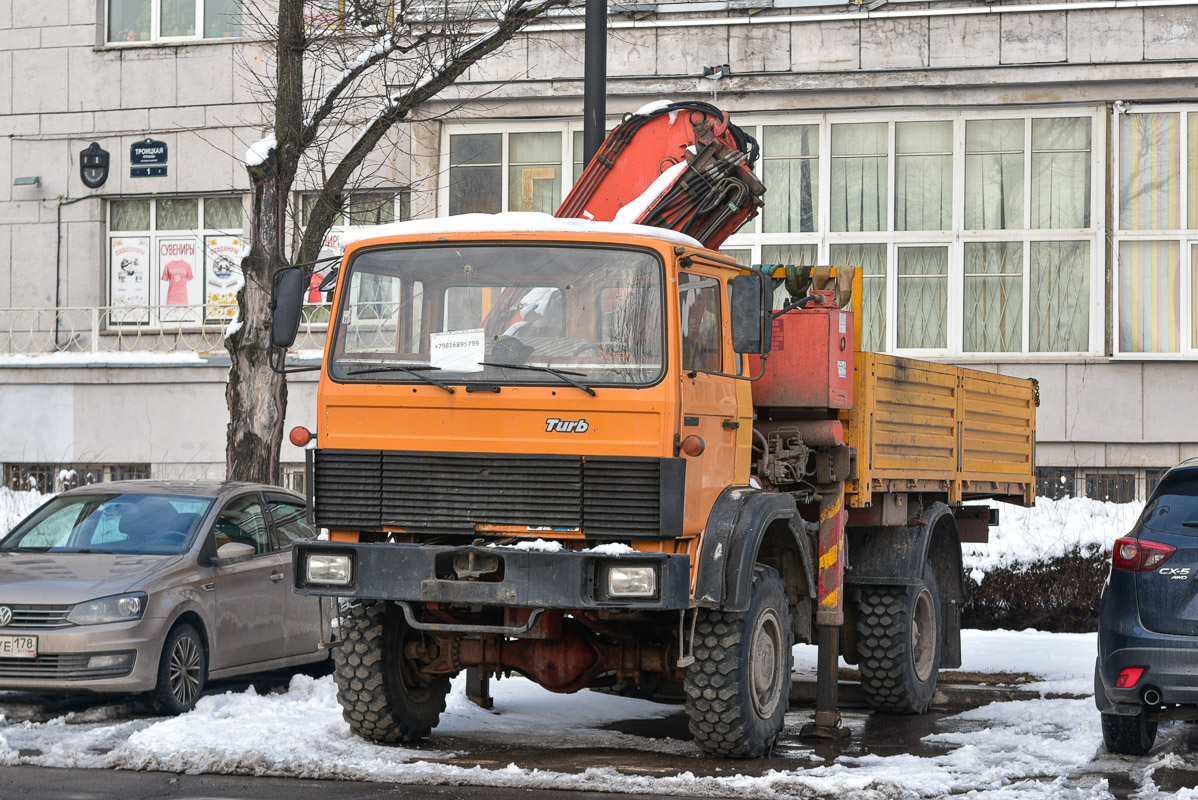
point(752, 326)
point(287, 303)
point(232, 552)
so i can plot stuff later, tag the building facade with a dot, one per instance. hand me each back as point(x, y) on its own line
point(1018, 181)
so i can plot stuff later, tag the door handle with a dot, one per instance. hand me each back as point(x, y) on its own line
point(208, 587)
point(276, 576)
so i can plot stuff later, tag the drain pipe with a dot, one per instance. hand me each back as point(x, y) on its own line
point(58, 268)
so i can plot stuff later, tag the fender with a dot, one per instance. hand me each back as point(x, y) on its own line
point(894, 556)
point(732, 539)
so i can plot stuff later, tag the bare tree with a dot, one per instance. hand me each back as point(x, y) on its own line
point(346, 72)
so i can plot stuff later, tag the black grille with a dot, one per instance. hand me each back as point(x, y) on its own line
point(454, 492)
point(71, 666)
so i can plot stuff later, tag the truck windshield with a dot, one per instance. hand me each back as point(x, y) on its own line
point(500, 314)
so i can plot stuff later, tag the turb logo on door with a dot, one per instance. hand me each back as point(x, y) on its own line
point(555, 425)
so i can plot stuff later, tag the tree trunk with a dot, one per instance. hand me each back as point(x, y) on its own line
point(257, 396)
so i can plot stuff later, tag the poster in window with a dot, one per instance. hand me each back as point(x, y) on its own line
point(129, 284)
point(222, 276)
point(179, 282)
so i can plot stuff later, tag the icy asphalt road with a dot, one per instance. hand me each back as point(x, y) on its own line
point(1049, 747)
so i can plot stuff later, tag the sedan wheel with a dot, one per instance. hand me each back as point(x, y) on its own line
point(182, 671)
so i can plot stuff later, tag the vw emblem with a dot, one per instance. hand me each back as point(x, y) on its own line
point(5, 615)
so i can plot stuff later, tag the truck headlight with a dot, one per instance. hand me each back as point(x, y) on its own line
point(117, 608)
point(638, 581)
point(331, 569)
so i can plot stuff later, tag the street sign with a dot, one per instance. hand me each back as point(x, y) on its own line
point(93, 166)
point(147, 159)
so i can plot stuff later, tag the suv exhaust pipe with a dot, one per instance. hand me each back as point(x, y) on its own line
point(1152, 697)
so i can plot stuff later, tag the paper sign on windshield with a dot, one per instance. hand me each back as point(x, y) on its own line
point(458, 351)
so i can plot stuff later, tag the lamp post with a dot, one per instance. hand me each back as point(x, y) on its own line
point(594, 93)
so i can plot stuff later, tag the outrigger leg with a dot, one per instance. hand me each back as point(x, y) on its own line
point(829, 616)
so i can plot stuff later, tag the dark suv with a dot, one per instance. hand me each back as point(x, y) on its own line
point(1147, 669)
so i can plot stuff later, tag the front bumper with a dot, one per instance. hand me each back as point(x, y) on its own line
point(526, 579)
point(63, 653)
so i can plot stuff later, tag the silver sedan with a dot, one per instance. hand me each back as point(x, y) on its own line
point(156, 586)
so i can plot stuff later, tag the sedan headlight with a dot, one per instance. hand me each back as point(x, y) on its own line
point(640, 581)
point(118, 608)
point(329, 569)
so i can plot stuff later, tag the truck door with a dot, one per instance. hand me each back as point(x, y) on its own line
point(708, 395)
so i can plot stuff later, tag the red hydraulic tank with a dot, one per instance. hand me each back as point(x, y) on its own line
point(810, 364)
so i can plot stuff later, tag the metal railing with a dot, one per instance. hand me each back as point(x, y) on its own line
point(134, 329)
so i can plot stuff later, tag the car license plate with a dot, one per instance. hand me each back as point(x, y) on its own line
point(18, 647)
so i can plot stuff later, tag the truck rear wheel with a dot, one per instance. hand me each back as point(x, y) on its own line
point(382, 695)
point(738, 688)
point(898, 645)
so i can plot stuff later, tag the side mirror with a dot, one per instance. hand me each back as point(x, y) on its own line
point(752, 300)
point(232, 552)
point(287, 303)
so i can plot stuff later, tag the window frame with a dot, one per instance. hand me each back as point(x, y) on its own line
point(566, 127)
point(152, 319)
point(1185, 237)
point(753, 239)
point(156, 36)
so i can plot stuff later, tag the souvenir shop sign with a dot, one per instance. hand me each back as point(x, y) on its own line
point(147, 159)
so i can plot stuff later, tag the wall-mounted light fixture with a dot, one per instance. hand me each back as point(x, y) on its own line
point(30, 180)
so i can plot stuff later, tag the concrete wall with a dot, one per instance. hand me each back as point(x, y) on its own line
point(172, 417)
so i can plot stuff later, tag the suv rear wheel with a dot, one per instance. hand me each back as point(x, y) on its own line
point(1128, 736)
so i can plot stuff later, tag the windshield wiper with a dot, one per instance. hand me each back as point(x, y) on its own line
point(557, 373)
point(416, 370)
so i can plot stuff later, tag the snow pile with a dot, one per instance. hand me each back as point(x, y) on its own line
point(138, 358)
point(630, 213)
point(15, 506)
point(1050, 529)
point(509, 222)
point(260, 150)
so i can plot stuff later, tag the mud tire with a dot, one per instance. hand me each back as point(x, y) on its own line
point(378, 698)
point(738, 688)
point(1128, 736)
point(899, 645)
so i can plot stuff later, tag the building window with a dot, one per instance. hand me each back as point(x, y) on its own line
point(533, 162)
point(975, 232)
point(790, 168)
point(53, 478)
point(1054, 482)
point(173, 260)
point(172, 20)
point(1155, 304)
point(1111, 486)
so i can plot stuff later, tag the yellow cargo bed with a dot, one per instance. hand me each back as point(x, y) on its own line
point(925, 427)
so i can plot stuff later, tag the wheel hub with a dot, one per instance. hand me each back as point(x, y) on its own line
point(186, 662)
point(923, 635)
point(767, 660)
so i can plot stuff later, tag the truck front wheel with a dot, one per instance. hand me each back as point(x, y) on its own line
point(738, 688)
point(898, 645)
point(382, 695)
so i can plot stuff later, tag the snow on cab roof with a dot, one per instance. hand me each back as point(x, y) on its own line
point(509, 222)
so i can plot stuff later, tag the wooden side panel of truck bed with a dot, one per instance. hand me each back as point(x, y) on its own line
point(920, 426)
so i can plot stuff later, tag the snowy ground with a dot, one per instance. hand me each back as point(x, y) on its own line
point(1050, 747)
point(1041, 748)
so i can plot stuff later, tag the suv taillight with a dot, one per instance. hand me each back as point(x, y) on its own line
point(1136, 555)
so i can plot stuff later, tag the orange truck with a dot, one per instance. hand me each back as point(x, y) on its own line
point(594, 454)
